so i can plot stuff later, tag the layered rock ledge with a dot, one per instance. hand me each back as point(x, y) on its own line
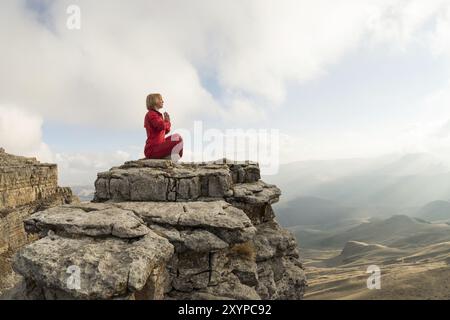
point(26, 186)
point(159, 230)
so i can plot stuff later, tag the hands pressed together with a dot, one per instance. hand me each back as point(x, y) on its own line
point(166, 117)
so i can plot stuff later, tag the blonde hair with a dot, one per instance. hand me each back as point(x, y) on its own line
point(152, 99)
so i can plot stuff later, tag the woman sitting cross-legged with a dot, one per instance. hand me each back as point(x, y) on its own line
point(157, 125)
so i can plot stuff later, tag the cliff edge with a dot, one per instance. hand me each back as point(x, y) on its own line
point(26, 186)
point(159, 230)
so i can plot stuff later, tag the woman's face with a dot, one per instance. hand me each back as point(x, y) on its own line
point(160, 103)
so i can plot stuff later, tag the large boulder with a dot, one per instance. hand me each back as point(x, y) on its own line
point(108, 268)
point(113, 251)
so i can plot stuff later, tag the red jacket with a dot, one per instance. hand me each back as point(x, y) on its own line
point(156, 127)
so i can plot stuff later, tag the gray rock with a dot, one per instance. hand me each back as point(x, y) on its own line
point(162, 180)
point(109, 221)
point(280, 273)
point(256, 193)
point(241, 171)
point(168, 232)
point(256, 200)
point(245, 270)
point(257, 212)
point(293, 282)
point(102, 189)
point(198, 295)
point(164, 213)
point(108, 268)
point(231, 287)
point(219, 265)
point(148, 163)
point(281, 279)
point(273, 241)
point(202, 241)
point(266, 287)
point(90, 206)
point(217, 214)
point(164, 230)
point(218, 217)
point(245, 173)
point(197, 240)
point(192, 271)
point(142, 185)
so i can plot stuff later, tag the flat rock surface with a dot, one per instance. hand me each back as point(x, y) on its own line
point(219, 218)
point(78, 220)
point(212, 214)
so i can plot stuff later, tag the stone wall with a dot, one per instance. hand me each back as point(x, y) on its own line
point(26, 186)
point(159, 230)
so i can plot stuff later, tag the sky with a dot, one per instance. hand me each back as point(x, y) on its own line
point(333, 79)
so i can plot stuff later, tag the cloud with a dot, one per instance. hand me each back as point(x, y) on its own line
point(251, 51)
point(243, 111)
point(101, 74)
point(440, 39)
point(400, 23)
point(21, 133)
point(80, 169)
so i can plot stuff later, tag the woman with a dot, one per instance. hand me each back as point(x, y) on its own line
point(157, 126)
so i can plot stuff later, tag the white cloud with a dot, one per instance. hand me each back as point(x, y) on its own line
point(431, 137)
point(21, 134)
point(79, 169)
point(399, 23)
point(255, 48)
point(243, 111)
point(101, 74)
point(440, 39)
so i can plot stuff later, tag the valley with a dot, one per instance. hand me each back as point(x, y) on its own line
point(413, 256)
point(350, 214)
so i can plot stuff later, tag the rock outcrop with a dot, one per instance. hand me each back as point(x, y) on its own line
point(159, 230)
point(26, 186)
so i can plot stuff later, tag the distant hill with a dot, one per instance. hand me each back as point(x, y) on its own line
point(435, 211)
point(310, 236)
point(327, 214)
point(398, 231)
point(361, 252)
point(436, 252)
point(356, 252)
point(312, 211)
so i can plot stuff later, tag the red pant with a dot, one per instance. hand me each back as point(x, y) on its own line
point(173, 143)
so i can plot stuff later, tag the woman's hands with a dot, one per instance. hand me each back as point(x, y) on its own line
point(166, 117)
